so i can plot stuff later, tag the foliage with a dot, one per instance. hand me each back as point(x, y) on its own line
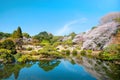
point(49, 51)
point(73, 34)
point(29, 48)
point(4, 35)
point(26, 35)
point(17, 33)
point(5, 51)
point(112, 52)
point(6, 56)
point(113, 48)
point(24, 58)
point(8, 44)
point(43, 36)
point(94, 27)
point(67, 52)
point(89, 51)
point(57, 43)
point(83, 52)
point(74, 52)
point(17, 56)
point(48, 65)
point(68, 42)
point(34, 53)
point(117, 20)
point(56, 39)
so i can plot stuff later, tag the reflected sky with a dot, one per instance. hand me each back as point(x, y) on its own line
point(58, 70)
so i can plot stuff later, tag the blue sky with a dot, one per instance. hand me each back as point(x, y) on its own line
point(59, 17)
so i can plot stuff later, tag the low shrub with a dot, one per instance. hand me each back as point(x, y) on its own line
point(18, 55)
point(6, 56)
point(112, 52)
point(67, 52)
point(29, 48)
point(74, 52)
point(83, 52)
point(89, 51)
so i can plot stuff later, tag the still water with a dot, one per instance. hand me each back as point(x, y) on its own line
point(86, 69)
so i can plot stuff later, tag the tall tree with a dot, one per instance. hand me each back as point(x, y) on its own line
point(17, 36)
point(19, 32)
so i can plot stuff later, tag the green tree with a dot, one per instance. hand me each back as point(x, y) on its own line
point(9, 45)
point(73, 34)
point(17, 33)
point(4, 35)
point(43, 36)
point(14, 35)
point(26, 35)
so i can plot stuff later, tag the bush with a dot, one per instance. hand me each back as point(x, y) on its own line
point(23, 58)
point(8, 44)
point(74, 52)
point(29, 48)
point(83, 52)
point(63, 51)
point(67, 52)
point(6, 56)
point(34, 53)
point(18, 55)
point(112, 52)
point(89, 51)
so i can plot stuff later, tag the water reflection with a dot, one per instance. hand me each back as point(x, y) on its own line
point(74, 69)
point(9, 69)
point(102, 70)
point(48, 65)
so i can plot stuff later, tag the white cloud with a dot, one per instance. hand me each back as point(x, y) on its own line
point(67, 27)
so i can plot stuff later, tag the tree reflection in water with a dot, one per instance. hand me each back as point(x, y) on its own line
point(48, 65)
point(8, 69)
point(102, 70)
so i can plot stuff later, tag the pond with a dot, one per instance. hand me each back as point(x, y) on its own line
point(62, 69)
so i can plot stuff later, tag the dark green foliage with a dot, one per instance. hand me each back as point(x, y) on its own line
point(29, 48)
point(6, 56)
point(17, 33)
point(67, 52)
point(74, 52)
point(48, 65)
point(43, 36)
point(4, 35)
point(14, 35)
point(73, 34)
point(83, 52)
point(8, 44)
point(94, 27)
point(26, 35)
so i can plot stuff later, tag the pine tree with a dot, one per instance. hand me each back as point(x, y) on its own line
point(19, 32)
